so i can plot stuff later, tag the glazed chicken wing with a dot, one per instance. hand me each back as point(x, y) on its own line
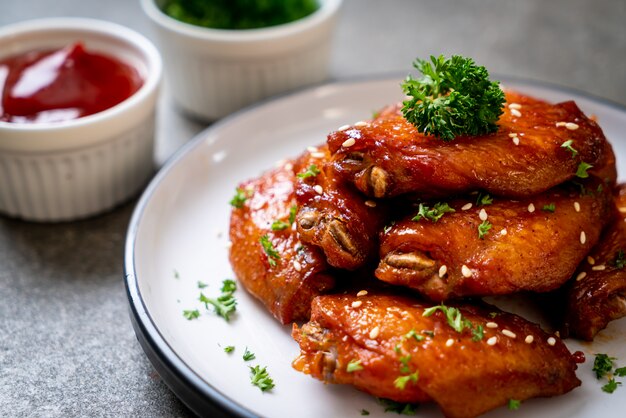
point(334, 216)
point(597, 295)
point(388, 157)
point(386, 346)
point(267, 256)
point(533, 244)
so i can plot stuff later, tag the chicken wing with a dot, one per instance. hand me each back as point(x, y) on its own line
point(597, 294)
point(267, 255)
point(335, 217)
point(533, 244)
point(388, 157)
point(396, 348)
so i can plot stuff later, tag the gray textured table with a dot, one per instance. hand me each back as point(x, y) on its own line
point(67, 347)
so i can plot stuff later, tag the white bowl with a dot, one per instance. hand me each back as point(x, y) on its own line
point(213, 72)
point(62, 171)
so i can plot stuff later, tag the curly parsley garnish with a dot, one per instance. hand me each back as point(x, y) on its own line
point(434, 214)
point(312, 171)
point(568, 146)
point(229, 348)
point(260, 377)
point(619, 261)
point(581, 172)
point(401, 381)
point(354, 366)
point(549, 208)
point(248, 355)
point(483, 229)
point(514, 404)
point(397, 407)
point(191, 314)
point(226, 303)
point(272, 254)
point(484, 199)
point(453, 97)
point(478, 333)
point(293, 210)
point(229, 286)
point(202, 285)
point(602, 365)
point(611, 386)
point(239, 198)
point(453, 315)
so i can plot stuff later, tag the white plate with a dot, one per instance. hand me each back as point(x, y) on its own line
point(181, 224)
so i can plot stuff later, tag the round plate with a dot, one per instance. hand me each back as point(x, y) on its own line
point(178, 236)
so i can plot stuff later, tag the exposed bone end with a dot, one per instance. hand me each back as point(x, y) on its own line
point(339, 232)
point(329, 364)
point(308, 219)
point(378, 181)
point(414, 261)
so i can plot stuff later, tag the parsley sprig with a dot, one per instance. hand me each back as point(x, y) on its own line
point(456, 320)
point(312, 171)
point(453, 97)
point(619, 261)
point(398, 407)
point(434, 214)
point(602, 366)
point(270, 251)
point(225, 304)
point(483, 229)
point(260, 377)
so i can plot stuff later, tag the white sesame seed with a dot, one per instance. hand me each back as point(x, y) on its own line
point(492, 341)
point(312, 149)
point(504, 231)
point(557, 333)
point(465, 271)
point(512, 135)
point(360, 123)
point(293, 226)
point(288, 166)
point(531, 208)
point(443, 270)
point(577, 206)
point(559, 124)
point(318, 189)
point(571, 126)
point(581, 276)
point(491, 325)
point(599, 267)
point(374, 332)
point(482, 215)
point(348, 143)
point(508, 333)
point(466, 206)
point(551, 341)
point(516, 113)
point(356, 303)
point(361, 293)
point(591, 260)
point(370, 203)
point(515, 106)
point(297, 265)
point(529, 339)
point(449, 342)
point(345, 338)
point(515, 140)
point(318, 155)
point(583, 237)
point(343, 128)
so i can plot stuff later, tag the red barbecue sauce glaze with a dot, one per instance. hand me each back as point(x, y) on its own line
point(63, 84)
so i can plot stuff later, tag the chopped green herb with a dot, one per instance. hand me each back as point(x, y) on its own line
point(434, 214)
point(611, 386)
point(478, 333)
point(619, 261)
point(514, 404)
point(401, 381)
point(599, 188)
point(621, 372)
point(354, 366)
point(365, 412)
point(493, 314)
point(176, 275)
point(549, 208)
point(453, 315)
point(484, 199)
point(279, 225)
point(483, 229)
point(387, 228)
point(568, 146)
point(239, 199)
point(602, 365)
point(431, 334)
point(229, 286)
point(293, 211)
point(397, 349)
point(260, 377)
point(397, 407)
point(312, 171)
point(582, 170)
point(191, 314)
point(224, 305)
point(453, 97)
point(229, 348)
point(202, 285)
point(413, 334)
point(248, 355)
point(272, 254)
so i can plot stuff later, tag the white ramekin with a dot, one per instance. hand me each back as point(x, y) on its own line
point(69, 170)
point(213, 72)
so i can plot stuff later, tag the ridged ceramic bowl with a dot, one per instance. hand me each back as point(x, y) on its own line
point(213, 72)
point(61, 171)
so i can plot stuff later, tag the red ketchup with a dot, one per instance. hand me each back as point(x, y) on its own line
point(63, 84)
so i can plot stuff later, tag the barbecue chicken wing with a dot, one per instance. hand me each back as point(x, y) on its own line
point(335, 217)
point(533, 244)
point(597, 294)
point(389, 157)
point(385, 346)
point(284, 274)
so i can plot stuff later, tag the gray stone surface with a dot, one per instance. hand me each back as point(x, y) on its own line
point(66, 344)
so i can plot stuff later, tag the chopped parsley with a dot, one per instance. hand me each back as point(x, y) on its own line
point(602, 365)
point(239, 198)
point(549, 208)
point(611, 386)
point(568, 146)
point(312, 171)
point(279, 225)
point(621, 372)
point(191, 314)
point(397, 407)
point(225, 304)
point(229, 348)
point(293, 210)
point(453, 315)
point(202, 285)
point(176, 275)
point(354, 366)
point(483, 229)
point(581, 172)
point(229, 286)
point(401, 381)
point(248, 355)
point(413, 334)
point(387, 228)
point(453, 97)
point(478, 333)
point(619, 261)
point(434, 214)
point(260, 378)
point(484, 199)
point(514, 404)
point(272, 254)
point(365, 412)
